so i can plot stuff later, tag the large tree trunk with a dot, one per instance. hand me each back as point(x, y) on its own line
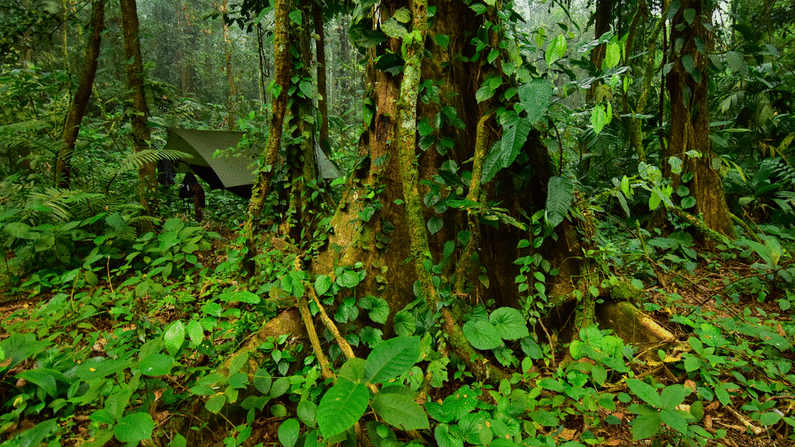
point(147, 176)
point(384, 242)
point(63, 168)
point(688, 89)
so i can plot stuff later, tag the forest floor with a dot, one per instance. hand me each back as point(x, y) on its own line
point(732, 348)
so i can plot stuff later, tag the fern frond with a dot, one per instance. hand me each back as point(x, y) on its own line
point(137, 160)
point(59, 203)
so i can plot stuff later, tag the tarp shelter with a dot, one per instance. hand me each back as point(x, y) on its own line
point(235, 173)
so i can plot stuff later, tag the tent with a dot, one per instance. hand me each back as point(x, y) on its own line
point(235, 173)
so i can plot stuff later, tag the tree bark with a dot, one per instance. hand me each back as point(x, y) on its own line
point(282, 61)
point(322, 89)
point(63, 167)
point(147, 176)
point(688, 90)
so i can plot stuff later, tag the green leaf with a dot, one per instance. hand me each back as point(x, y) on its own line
point(156, 365)
point(402, 15)
point(612, 55)
point(215, 403)
point(391, 358)
point(443, 40)
point(322, 284)
point(288, 432)
point(559, 198)
point(675, 420)
point(646, 392)
point(688, 202)
point(349, 279)
point(769, 418)
point(243, 296)
point(404, 323)
point(673, 396)
point(353, 369)
point(394, 29)
point(263, 381)
point(307, 412)
point(435, 224)
point(378, 309)
point(509, 323)
point(400, 411)
point(195, 332)
point(174, 336)
point(646, 426)
point(555, 50)
point(481, 334)
point(296, 16)
point(134, 428)
point(503, 154)
point(44, 378)
point(599, 117)
point(535, 97)
point(341, 406)
point(445, 438)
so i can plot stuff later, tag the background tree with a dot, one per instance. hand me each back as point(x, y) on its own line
point(81, 96)
point(147, 176)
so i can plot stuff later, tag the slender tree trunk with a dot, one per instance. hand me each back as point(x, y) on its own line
point(230, 76)
point(147, 176)
point(688, 90)
point(282, 61)
point(322, 89)
point(63, 167)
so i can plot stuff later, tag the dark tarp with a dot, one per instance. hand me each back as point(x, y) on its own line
point(235, 173)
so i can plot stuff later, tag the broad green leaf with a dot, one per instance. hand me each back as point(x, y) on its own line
point(645, 392)
point(444, 437)
point(612, 55)
point(322, 284)
point(654, 200)
point(435, 224)
point(401, 411)
point(307, 412)
point(195, 332)
point(535, 97)
point(688, 202)
point(481, 334)
point(503, 154)
point(34, 436)
point(349, 279)
point(215, 403)
point(560, 194)
point(296, 16)
point(675, 420)
point(242, 296)
point(156, 365)
point(769, 418)
point(404, 323)
point(555, 50)
point(646, 426)
point(353, 369)
point(45, 378)
point(599, 117)
point(443, 40)
point(509, 323)
point(544, 418)
point(288, 432)
point(263, 381)
point(402, 15)
point(378, 310)
point(394, 29)
point(174, 336)
point(391, 359)
point(341, 406)
point(134, 428)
